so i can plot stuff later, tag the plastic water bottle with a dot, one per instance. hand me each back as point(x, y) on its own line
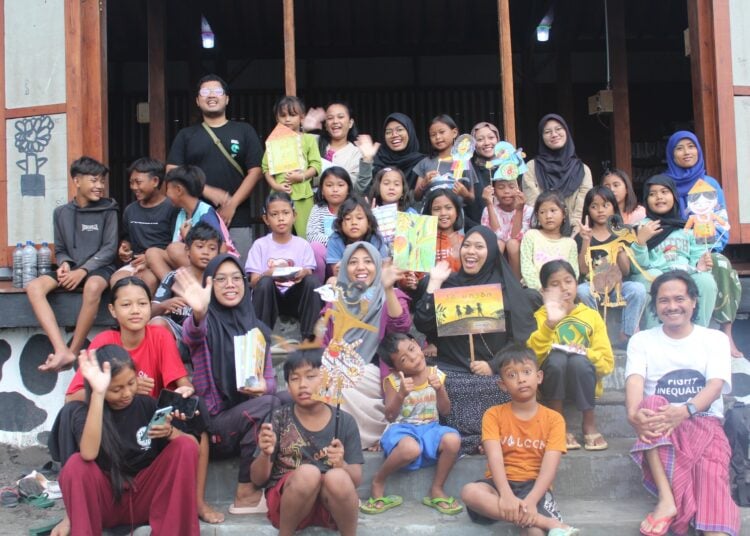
point(44, 260)
point(29, 263)
point(18, 266)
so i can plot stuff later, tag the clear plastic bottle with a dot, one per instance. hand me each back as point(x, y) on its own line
point(44, 260)
point(29, 263)
point(18, 266)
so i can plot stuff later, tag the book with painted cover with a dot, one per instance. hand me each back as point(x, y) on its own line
point(249, 358)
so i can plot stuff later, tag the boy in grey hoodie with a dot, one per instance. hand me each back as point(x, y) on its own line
point(85, 249)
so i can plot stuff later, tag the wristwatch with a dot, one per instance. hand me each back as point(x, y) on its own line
point(692, 410)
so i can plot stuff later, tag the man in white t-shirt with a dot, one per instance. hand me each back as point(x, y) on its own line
point(676, 374)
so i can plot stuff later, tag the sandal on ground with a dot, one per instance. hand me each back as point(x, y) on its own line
point(569, 531)
point(448, 510)
point(571, 443)
point(665, 522)
point(260, 508)
point(39, 501)
point(9, 497)
point(44, 530)
point(591, 442)
point(378, 505)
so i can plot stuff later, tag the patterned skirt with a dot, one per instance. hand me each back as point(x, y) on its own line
point(471, 395)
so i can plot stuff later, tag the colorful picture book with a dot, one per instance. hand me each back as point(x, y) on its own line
point(249, 358)
point(415, 242)
point(386, 216)
point(284, 150)
point(469, 310)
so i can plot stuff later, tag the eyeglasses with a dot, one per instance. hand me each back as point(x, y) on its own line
point(208, 91)
point(397, 130)
point(222, 280)
point(550, 131)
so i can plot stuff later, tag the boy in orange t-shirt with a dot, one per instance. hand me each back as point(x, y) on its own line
point(524, 442)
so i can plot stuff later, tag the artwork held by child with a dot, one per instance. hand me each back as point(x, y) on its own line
point(284, 148)
point(463, 150)
point(386, 216)
point(342, 366)
point(508, 163)
point(469, 310)
point(705, 219)
point(415, 242)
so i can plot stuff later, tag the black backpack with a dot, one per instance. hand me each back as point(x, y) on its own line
point(737, 429)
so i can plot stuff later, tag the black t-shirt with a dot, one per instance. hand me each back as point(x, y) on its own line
point(138, 451)
point(165, 292)
point(149, 227)
point(296, 445)
point(194, 146)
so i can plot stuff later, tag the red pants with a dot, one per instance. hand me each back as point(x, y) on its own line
point(162, 495)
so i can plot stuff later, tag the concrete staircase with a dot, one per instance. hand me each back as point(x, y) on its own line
point(598, 492)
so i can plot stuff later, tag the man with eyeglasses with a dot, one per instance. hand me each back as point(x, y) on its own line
point(210, 145)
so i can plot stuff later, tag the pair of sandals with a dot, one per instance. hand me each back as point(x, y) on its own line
point(592, 442)
point(378, 505)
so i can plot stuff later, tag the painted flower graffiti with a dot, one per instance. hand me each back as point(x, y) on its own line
point(33, 134)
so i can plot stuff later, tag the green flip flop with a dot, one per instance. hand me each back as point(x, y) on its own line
point(371, 506)
point(448, 510)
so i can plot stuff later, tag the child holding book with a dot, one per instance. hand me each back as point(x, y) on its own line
point(518, 479)
point(415, 397)
point(309, 457)
point(289, 111)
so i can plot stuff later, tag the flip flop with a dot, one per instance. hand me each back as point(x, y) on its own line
point(570, 531)
point(665, 521)
point(371, 506)
point(448, 510)
point(589, 442)
point(9, 497)
point(571, 443)
point(260, 508)
point(44, 530)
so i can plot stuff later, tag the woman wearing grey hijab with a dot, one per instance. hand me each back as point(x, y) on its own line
point(369, 296)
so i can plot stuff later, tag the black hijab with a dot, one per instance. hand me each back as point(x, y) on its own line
point(406, 159)
point(669, 222)
point(558, 169)
point(223, 323)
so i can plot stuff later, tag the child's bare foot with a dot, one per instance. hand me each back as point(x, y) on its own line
point(660, 519)
point(375, 448)
point(377, 489)
point(208, 514)
point(58, 361)
point(62, 528)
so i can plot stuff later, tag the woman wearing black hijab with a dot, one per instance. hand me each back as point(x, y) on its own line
point(472, 387)
point(557, 167)
point(221, 310)
point(401, 148)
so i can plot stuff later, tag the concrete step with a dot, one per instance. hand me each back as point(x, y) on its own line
point(611, 417)
point(608, 474)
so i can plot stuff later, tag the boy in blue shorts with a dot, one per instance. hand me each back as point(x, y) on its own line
point(415, 397)
point(524, 442)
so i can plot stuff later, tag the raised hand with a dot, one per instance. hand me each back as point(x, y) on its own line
point(406, 386)
point(98, 377)
point(434, 379)
point(195, 295)
point(367, 147)
point(647, 231)
point(313, 120)
point(520, 200)
point(439, 273)
point(553, 303)
point(488, 194)
point(585, 231)
point(267, 439)
point(389, 275)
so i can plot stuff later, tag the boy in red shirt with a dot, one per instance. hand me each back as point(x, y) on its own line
point(524, 442)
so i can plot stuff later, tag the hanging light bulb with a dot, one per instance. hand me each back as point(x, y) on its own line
point(542, 33)
point(207, 34)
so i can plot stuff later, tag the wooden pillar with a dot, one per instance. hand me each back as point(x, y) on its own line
point(290, 67)
point(506, 71)
point(157, 94)
point(703, 74)
point(619, 58)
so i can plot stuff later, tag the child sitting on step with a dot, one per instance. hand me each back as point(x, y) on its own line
point(524, 442)
point(309, 456)
point(415, 397)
